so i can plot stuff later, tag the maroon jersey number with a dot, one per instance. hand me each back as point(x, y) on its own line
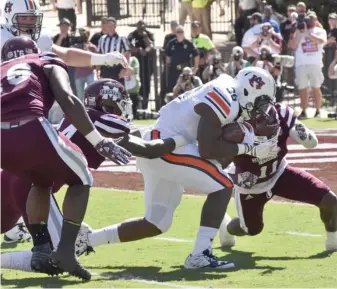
point(269, 169)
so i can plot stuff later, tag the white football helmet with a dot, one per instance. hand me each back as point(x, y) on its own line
point(23, 17)
point(256, 90)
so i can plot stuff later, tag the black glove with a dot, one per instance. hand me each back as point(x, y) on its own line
point(109, 149)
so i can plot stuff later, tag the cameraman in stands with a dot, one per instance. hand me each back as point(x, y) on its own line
point(83, 75)
point(186, 82)
point(236, 62)
point(268, 37)
point(214, 67)
point(308, 42)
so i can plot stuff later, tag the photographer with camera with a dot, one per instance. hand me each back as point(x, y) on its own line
point(83, 75)
point(186, 82)
point(236, 62)
point(268, 37)
point(308, 42)
point(214, 67)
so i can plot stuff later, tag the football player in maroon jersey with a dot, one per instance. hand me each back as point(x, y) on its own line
point(110, 109)
point(268, 174)
point(31, 147)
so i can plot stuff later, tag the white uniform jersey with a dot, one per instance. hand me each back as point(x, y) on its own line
point(179, 118)
point(44, 43)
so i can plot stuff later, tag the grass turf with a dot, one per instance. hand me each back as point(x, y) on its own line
point(311, 123)
point(272, 259)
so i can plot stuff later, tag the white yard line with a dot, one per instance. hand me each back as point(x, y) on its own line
point(177, 240)
point(112, 277)
point(303, 234)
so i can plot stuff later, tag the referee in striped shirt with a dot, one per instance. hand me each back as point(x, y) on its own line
point(110, 42)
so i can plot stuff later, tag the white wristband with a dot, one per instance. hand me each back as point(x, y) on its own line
point(244, 148)
point(97, 59)
point(180, 141)
point(94, 137)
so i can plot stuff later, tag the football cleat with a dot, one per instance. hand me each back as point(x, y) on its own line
point(40, 261)
point(206, 260)
point(82, 241)
point(226, 239)
point(18, 233)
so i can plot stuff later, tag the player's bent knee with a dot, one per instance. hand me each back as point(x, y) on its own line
point(161, 217)
point(255, 230)
point(329, 201)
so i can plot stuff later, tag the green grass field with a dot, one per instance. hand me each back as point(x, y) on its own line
point(273, 259)
point(311, 123)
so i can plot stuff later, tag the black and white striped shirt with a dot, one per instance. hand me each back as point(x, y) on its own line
point(108, 44)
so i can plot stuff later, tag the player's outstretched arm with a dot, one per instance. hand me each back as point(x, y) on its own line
point(150, 149)
point(302, 135)
point(81, 58)
point(209, 133)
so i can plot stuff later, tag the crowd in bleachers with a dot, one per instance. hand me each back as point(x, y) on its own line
point(289, 47)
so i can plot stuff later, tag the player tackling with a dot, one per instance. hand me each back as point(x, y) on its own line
point(32, 148)
point(259, 178)
point(199, 116)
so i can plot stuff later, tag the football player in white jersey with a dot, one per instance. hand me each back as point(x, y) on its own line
point(197, 115)
point(24, 17)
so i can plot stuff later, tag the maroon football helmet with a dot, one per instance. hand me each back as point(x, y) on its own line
point(18, 46)
point(110, 96)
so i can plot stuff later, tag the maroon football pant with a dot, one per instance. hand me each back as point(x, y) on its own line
point(43, 155)
point(14, 194)
point(294, 184)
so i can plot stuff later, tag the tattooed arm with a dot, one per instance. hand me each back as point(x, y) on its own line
point(302, 135)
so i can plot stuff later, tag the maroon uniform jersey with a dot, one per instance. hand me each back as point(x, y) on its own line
point(109, 123)
point(265, 168)
point(25, 88)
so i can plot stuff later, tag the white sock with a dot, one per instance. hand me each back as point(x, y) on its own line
point(19, 260)
point(107, 235)
point(204, 239)
point(20, 220)
point(331, 236)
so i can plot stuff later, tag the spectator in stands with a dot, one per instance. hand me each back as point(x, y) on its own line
point(267, 13)
point(132, 84)
point(64, 39)
point(96, 37)
point(332, 72)
point(268, 37)
point(251, 35)
point(308, 45)
point(172, 34)
point(84, 75)
point(186, 82)
point(236, 62)
point(201, 11)
point(288, 27)
point(179, 54)
point(185, 10)
point(110, 42)
point(301, 8)
point(245, 9)
point(214, 67)
point(332, 35)
point(204, 45)
point(66, 9)
point(142, 46)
